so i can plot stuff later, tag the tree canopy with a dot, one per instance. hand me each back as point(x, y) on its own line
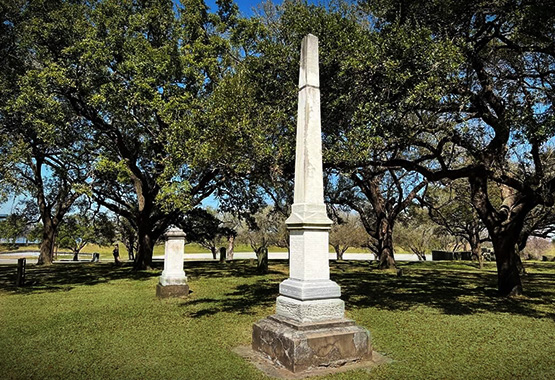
point(150, 107)
point(491, 119)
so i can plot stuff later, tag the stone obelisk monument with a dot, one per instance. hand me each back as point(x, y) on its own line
point(309, 329)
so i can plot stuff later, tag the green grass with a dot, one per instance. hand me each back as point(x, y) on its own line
point(439, 321)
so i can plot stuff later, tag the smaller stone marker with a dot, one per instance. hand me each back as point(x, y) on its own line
point(95, 257)
point(173, 282)
point(20, 279)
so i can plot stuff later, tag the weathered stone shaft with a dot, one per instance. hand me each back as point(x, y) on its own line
point(309, 295)
point(308, 205)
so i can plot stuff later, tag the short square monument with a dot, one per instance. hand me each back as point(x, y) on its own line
point(173, 281)
point(309, 329)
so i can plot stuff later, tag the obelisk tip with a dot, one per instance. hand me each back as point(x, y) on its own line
point(309, 73)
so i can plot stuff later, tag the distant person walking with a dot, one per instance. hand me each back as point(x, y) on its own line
point(115, 252)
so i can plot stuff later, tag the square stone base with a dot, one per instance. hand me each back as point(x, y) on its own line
point(167, 291)
point(302, 346)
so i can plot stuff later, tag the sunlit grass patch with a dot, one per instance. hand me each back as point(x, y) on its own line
point(438, 320)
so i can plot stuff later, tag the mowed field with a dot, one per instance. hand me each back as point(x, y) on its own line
point(440, 320)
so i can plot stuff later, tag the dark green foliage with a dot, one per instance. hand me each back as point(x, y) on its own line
point(13, 227)
point(46, 148)
point(128, 82)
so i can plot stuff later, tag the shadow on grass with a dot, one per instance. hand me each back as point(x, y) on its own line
point(243, 299)
point(239, 299)
point(236, 268)
point(65, 276)
point(463, 291)
point(451, 288)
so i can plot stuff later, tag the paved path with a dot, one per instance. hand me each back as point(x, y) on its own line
point(31, 256)
point(283, 256)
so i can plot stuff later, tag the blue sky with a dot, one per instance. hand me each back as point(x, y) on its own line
point(245, 6)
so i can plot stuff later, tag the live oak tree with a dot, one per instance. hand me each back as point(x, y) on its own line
point(347, 232)
point(447, 89)
point(261, 95)
point(489, 118)
point(127, 234)
point(45, 148)
point(85, 227)
point(260, 231)
point(418, 234)
point(137, 75)
point(203, 226)
point(165, 69)
point(264, 98)
point(13, 227)
point(379, 196)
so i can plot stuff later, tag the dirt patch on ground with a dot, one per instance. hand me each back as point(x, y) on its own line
point(270, 368)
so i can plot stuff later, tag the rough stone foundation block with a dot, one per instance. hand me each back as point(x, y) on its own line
point(303, 346)
point(167, 291)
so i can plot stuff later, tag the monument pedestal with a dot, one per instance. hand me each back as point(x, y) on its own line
point(303, 346)
point(167, 291)
point(173, 281)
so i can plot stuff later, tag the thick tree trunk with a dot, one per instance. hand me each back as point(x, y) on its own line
point(230, 246)
point(145, 249)
point(222, 254)
point(508, 277)
point(47, 245)
point(476, 248)
point(504, 227)
point(385, 244)
point(262, 260)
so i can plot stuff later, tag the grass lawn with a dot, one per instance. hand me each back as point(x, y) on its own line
point(438, 321)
